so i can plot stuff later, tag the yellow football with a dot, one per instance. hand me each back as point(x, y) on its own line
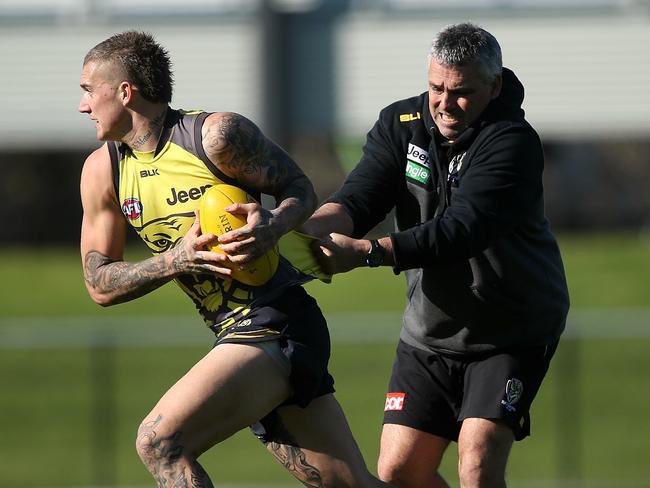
point(215, 220)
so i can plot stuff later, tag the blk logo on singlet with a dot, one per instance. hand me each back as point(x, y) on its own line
point(132, 208)
point(394, 401)
point(149, 172)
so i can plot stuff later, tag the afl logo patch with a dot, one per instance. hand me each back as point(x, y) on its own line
point(132, 208)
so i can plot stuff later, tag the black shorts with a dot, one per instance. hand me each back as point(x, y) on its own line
point(435, 393)
point(297, 323)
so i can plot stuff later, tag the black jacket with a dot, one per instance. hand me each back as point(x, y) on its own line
point(483, 270)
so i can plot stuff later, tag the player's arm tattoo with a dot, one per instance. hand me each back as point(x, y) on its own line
point(242, 150)
point(239, 148)
point(237, 145)
point(167, 460)
point(121, 281)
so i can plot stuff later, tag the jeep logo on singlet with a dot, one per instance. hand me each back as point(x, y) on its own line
point(183, 196)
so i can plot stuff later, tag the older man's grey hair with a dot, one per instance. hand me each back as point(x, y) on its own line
point(462, 44)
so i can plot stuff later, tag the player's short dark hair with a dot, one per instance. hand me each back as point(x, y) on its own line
point(145, 62)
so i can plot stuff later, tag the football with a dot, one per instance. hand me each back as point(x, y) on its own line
point(215, 220)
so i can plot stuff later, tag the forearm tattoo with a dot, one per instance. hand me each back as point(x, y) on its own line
point(167, 460)
point(124, 281)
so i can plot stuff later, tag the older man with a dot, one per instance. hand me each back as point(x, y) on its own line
point(486, 292)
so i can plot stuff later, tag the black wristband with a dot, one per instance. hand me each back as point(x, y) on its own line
point(375, 256)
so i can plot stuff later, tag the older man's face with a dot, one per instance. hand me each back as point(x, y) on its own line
point(458, 95)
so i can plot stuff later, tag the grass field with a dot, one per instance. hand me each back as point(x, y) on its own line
point(69, 407)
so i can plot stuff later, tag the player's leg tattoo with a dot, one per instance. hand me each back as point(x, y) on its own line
point(293, 459)
point(281, 444)
point(167, 460)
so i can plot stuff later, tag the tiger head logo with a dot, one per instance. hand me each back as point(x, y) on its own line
point(163, 234)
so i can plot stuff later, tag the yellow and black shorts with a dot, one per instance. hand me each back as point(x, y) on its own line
point(297, 323)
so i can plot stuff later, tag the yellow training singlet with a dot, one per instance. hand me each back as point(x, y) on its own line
point(158, 193)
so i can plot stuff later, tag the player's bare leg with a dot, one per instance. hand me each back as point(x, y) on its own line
point(316, 446)
point(230, 388)
point(483, 449)
point(410, 458)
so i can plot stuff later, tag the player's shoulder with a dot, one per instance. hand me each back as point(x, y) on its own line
point(98, 158)
point(404, 115)
point(228, 135)
point(96, 169)
point(227, 122)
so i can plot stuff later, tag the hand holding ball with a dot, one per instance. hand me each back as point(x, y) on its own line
point(215, 220)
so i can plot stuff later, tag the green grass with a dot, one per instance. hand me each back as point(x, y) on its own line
point(50, 282)
point(607, 270)
point(47, 412)
point(588, 420)
point(602, 271)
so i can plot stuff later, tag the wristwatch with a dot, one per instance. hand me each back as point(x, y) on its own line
point(375, 256)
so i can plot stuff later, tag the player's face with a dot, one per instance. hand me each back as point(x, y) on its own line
point(458, 95)
point(102, 101)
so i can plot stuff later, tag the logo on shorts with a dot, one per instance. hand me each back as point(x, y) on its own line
point(394, 401)
point(514, 390)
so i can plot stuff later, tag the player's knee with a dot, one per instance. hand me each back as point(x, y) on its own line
point(394, 473)
point(483, 450)
point(475, 470)
point(155, 448)
point(147, 451)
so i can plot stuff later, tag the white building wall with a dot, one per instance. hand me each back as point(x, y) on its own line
point(215, 69)
point(584, 77)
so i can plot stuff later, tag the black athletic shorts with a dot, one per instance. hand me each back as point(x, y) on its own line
point(435, 393)
point(297, 323)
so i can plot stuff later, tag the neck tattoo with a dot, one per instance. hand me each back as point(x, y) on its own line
point(154, 128)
